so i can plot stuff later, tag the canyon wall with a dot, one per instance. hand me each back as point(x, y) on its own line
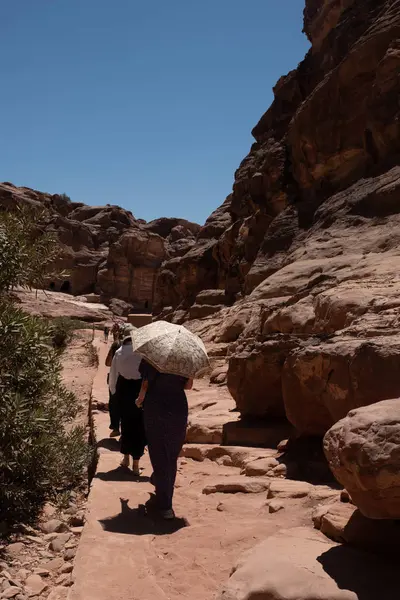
point(296, 276)
point(104, 249)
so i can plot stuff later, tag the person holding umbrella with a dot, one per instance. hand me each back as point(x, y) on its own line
point(172, 356)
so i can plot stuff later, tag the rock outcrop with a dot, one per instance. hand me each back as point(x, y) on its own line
point(56, 304)
point(255, 376)
point(104, 249)
point(179, 234)
point(301, 564)
point(363, 451)
point(322, 383)
point(305, 252)
point(131, 267)
point(344, 523)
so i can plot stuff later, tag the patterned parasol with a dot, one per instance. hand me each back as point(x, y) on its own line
point(171, 349)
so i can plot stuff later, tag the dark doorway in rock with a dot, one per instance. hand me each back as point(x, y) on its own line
point(371, 147)
point(146, 305)
point(66, 287)
point(52, 286)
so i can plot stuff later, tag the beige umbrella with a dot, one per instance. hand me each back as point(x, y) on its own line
point(171, 349)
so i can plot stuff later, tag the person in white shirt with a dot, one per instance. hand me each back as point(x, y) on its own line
point(125, 382)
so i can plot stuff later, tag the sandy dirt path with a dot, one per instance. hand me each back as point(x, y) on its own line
point(125, 554)
point(79, 371)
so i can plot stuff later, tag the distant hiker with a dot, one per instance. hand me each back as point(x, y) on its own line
point(115, 331)
point(125, 383)
point(106, 332)
point(113, 404)
point(113, 407)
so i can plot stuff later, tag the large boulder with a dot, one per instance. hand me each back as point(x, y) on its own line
point(302, 564)
point(363, 451)
point(255, 377)
point(322, 382)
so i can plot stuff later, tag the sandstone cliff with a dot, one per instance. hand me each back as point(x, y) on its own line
point(104, 249)
point(296, 276)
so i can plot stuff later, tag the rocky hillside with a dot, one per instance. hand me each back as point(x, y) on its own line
point(296, 277)
point(104, 248)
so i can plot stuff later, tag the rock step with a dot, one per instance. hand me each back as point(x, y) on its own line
point(199, 311)
point(242, 485)
point(211, 297)
point(234, 456)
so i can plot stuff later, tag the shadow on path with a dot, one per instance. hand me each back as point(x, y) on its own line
point(305, 460)
point(109, 444)
point(121, 474)
point(368, 575)
point(140, 521)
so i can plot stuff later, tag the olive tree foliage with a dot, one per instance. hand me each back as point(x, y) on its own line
point(41, 453)
point(27, 251)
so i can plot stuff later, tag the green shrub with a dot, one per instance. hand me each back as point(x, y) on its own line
point(27, 250)
point(41, 453)
point(61, 332)
point(92, 355)
point(63, 328)
point(38, 456)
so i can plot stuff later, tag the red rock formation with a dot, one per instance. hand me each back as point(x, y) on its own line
point(323, 132)
point(363, 453)
point(306, 248)
point(132, 266)
point(105, 249)
point(321, 16)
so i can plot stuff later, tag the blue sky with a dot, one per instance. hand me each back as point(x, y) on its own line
point(148, 105)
